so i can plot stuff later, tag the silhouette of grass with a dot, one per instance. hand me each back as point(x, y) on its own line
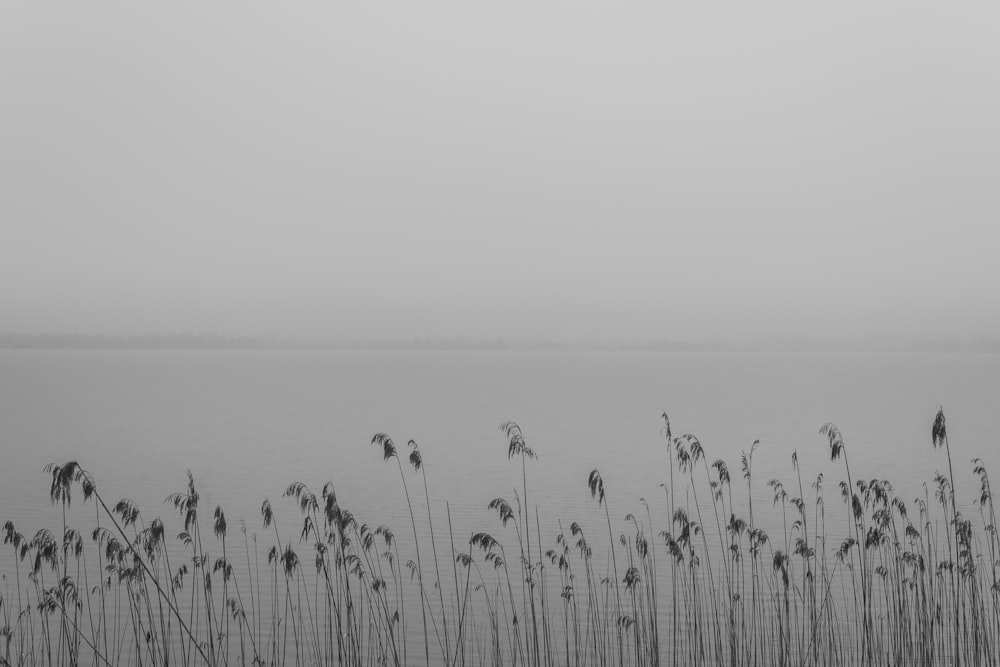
point(907, 583)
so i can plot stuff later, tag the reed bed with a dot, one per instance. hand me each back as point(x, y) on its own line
point(911, 581)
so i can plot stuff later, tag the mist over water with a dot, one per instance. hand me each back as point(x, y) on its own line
point(584, 174)
point(248, 423)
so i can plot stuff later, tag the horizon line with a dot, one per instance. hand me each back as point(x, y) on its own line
point(203, 341)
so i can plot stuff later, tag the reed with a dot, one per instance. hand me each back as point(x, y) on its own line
point(903, 582)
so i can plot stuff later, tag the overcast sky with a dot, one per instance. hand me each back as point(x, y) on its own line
point(520, 170)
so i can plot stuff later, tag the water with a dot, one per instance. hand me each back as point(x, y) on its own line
point(248, 423)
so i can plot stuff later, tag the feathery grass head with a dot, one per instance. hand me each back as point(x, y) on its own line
point(416, 460)
point(516, 445)
point(219, 526)
point(484, 541)
point(818, 484)
point(985, 492)
point(503, 508)
point(62, 480)
point(672, 546)
point(46, 550)
point(331, 508)
point(192, 494)
point(235, 609)
point(267, 513)
point(186, 504)
point(746, 459)
point(845, 548)
point(833, 436)
point(305, 498)
point(596, 485)
point(385, 442)
point(723, 471)
point(779, 490)
point(693, 452)
point(155, 533)
point(307, 528)
point(386, 533)
point(128, 511)
point(367, 536)
point(289, 561)
point(683, 457)
point(10, 534)
point(494, 558)
point(16, 540)
point(224, 566)
point(939, 433)
point(87, 484)
point(943, 487)
point(631, 578)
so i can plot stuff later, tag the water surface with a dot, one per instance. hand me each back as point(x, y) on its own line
point(248, 423)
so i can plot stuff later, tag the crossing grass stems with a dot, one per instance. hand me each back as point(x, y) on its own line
point(910, 582)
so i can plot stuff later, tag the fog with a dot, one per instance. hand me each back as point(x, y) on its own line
point(569, 171)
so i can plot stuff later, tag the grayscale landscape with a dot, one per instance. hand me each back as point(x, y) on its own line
point(464, 335)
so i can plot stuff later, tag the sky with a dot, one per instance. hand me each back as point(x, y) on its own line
point(607, 172)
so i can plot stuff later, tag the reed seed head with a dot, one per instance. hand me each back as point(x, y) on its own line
point(516, 445)
point(834, 438)
point(596, 485)
point(938, 431)
point(385, 442)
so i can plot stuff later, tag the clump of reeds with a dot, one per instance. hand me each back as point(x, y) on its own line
point(904, 583)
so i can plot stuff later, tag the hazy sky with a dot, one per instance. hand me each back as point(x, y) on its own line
point(563, 170)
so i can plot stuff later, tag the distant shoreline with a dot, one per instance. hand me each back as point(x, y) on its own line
point(203, 342)
point(209, 342)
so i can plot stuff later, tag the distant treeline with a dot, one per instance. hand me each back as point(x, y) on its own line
point(139, 342)
point(217, 342)
point(191, 341)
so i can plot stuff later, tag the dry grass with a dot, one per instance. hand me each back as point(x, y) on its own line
point(909, 583)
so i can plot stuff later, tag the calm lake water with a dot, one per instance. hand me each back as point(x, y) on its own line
point(248, 423)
